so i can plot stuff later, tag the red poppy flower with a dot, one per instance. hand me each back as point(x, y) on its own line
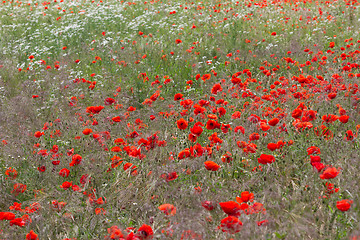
point(184, 154)
point(318, 165)
point(257, 207)
point(26, 218)
point(211, 124)
point(231, 208)
point(272, 146)
point(32, 236)
point(329, 173)
point(236, 115)
point(116, 149)
point(266, 159)
point(206, 77)
point(329, 118)
point(87, 131)
point(168, 209)
point(196, 130)
point(177, 41)
point(182, 124)
point(64, 172)
point(115, 232)
point(273, 34)
point(66, 185)
point(342, 111)
point(116, 119)
point(76, 160)
point(109, 101)
point(211, 166)
point(216, 88)
point(254, 136)
point(55, 149)
point(131, 109)
point(332, 95)
point(273, 122)
point(43, 153)
point(254, 118)
point(7, 216)
point(178, 97)
point(235, 80)
point(226, 158)
point(208, 205)
point(231, 225)
point(16, 206)
point(19, 188)
point(171, 176)
point(349, 135)
point(344, 118)
point(314, 159)
point(116, 161)
point(94, 109)
point(313, 150)
point(85, 179)
point(128, 166)
point(296, 113)
point(38, 134)
point(17, 221)
point(241, 128)
point(221, 111)
point(264, 126)
point(344, 205)
point(245, 197)
point(145, 232)
point(11, 173)
point(263, 222)
point(41, 169)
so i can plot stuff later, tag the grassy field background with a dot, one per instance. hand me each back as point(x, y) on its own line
point(179, 119)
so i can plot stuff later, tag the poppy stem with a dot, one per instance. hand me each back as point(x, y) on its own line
point(332, 221)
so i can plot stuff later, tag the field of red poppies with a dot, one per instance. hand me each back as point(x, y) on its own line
point(218, 119)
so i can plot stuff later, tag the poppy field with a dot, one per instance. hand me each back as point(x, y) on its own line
point(217, 119)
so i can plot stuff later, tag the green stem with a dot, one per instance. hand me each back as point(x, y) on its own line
point(332, 221)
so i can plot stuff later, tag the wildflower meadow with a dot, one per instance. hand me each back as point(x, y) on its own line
point(219, 119)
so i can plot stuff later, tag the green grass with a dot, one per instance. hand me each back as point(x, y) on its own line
point(290, 189)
